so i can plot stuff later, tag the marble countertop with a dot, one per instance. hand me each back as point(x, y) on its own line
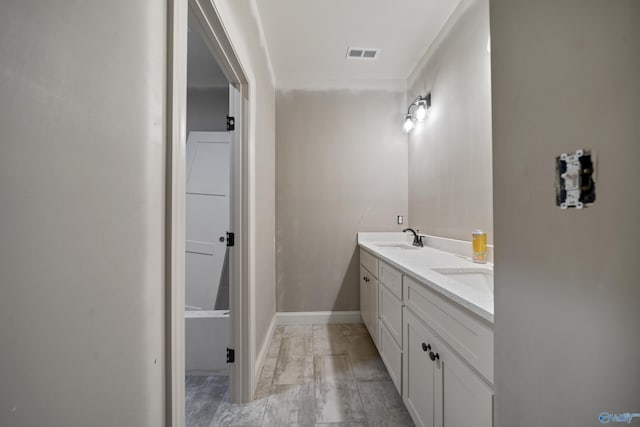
point(419, 263)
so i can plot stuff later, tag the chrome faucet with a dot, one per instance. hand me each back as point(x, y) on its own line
point(417, 239)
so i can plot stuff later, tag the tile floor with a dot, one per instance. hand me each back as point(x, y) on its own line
point(313, 375)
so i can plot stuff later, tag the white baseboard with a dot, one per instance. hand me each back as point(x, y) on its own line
point(317, 317)
point(262, 354)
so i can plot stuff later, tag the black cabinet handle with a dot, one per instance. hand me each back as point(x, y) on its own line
point(426, 347)
point(434, 356)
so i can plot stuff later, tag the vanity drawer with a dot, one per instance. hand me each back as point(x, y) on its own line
point(392, 279)
point(370, 262)
point(391, 355)
point(390, 312)
point(471, 338)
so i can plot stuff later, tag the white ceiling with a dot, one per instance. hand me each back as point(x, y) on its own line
point(202, 70)
point(307, 40)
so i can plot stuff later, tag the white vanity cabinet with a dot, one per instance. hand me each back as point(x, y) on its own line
point(439, 353)
point(449, 352)
point(369, 293)
point(439, 388)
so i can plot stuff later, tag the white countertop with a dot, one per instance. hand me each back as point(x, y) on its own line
point(419, 264)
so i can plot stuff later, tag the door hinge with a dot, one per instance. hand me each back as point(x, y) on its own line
point(231, 239)
point(231, 355)
point(231, 123)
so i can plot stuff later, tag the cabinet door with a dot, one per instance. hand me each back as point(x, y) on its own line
point(465, 399)
point(391, 355)
point(418, 373)
point(364, 296)
point(390, 312)
point(373, 311)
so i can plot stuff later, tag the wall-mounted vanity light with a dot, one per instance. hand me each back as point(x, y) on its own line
point(421, 111)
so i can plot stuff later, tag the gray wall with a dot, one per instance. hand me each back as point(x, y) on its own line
point(341, 168)
point(567, 286)
point(207, 109)
point(450, 192)
point(81, 218)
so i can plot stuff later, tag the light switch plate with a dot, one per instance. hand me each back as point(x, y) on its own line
point(575, 183)
point(400, 219)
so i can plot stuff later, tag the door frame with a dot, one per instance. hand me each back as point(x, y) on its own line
point(212, 30)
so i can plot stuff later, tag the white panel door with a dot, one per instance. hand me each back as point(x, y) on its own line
point(207, 216)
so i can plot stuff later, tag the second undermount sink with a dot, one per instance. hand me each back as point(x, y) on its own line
point(476, 277)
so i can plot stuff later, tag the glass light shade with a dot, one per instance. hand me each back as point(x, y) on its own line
point(421, 111)
point(409, 123)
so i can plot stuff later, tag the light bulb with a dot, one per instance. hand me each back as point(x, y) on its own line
point(409, 123)
point(421, 111)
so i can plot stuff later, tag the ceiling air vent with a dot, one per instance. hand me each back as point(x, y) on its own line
point(362, 53)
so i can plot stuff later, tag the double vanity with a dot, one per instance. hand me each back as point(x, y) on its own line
point(430, 313)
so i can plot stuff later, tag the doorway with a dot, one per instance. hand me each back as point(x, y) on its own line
point(207, 197)
point(208, 207)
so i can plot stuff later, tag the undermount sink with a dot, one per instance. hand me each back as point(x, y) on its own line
point(476, 277)
point(396, 245)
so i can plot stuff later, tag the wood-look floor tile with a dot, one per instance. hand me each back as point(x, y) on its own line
point(203, 396)
point(333, 369)
point(338, 402)
point(240, 414)
point(383, 405)
point(340, 425)
point(276, 341)
point(290, 405)
point(297, 330)
point(361, 344)
point(350, 329)
point(329, 340)
point(265, 380)
point(366, 362)
point(357, 424)
point(301, 385)
point(295, 360)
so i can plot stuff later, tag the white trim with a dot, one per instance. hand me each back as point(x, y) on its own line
point(255, 10)
point(317, 317)
point(175, 185)
point(262, 354)
point(437, 41)
point(219, 41)
point(216, 37)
